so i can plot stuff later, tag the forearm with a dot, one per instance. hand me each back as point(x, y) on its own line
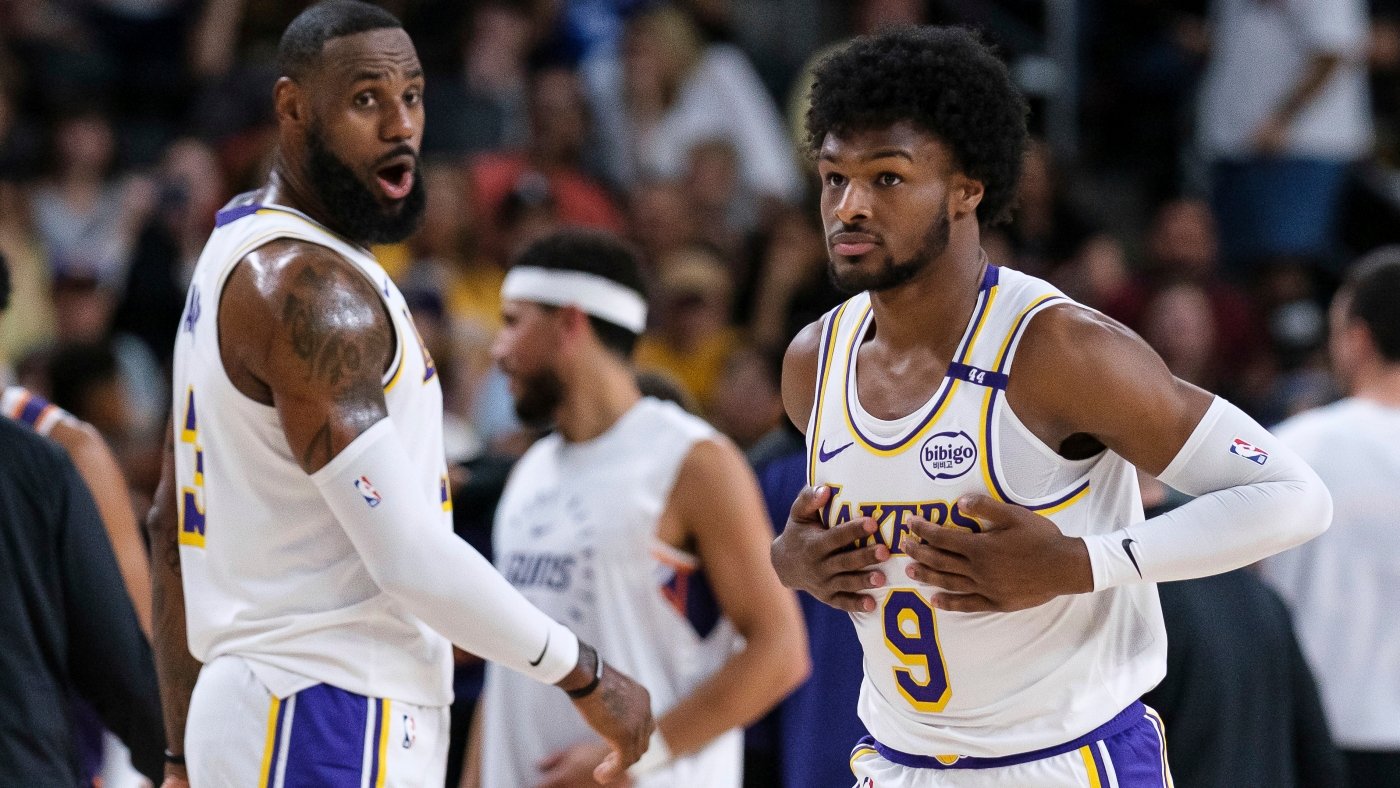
point(176, 668)
point(1245, 511)
point(746, 686)
point(1320, 68)
point(471, 759)
point(427, 568)
point(104, 479)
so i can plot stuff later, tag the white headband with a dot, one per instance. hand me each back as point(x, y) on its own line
point(595, 295)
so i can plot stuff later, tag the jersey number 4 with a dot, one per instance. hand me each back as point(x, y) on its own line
point(191, 506)
point(911, 633)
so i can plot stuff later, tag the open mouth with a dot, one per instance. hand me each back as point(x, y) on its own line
point(396, 180)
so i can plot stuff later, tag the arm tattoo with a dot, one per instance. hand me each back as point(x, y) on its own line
point(314, 314)
point(320, 450)
point(338, 337)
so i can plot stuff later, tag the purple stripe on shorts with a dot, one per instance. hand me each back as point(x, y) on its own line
point(374, 764)
point(1136, 754)
point(1099, 764)
point(327, 744)
point(1125, 720)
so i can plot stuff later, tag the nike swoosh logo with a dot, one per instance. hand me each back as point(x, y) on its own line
point(1127, 548)
point(823, 455)
point(535, 663)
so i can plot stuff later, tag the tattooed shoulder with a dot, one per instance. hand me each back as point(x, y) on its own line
point(334, 321)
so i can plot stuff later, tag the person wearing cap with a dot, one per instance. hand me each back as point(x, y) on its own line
point(637, 525)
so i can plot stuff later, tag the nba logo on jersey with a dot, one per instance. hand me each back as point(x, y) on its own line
point(367, 491)
point(1249, 451)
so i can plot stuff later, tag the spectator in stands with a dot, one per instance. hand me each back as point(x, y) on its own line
point(1284, 110)
point(679, 91)
point(555, 151)
point(85, 218)
point(660, 219)
point(691, 338)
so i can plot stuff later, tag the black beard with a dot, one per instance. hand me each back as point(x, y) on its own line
point(893, 274)
point(352, 208)
point(540, 396)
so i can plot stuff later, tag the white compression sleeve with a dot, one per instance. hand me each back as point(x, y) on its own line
point(1256, 498)
point(440, 578)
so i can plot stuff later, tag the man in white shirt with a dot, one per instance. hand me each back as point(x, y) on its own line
point(1344, 586)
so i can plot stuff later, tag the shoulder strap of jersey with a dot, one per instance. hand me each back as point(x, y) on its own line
point(1019, 298)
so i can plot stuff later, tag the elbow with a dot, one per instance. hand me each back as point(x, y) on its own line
point(793, 662)
point(1320, 510)
point(1310, 511)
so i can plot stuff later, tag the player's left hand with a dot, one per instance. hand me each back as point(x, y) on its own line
point(1019, 560)
point(573, 767)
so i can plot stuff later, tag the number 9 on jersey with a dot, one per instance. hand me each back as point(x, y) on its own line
point(911, 633)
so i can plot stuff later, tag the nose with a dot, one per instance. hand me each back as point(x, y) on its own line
point(853, 207)
point(400, 122)
point(499, 347)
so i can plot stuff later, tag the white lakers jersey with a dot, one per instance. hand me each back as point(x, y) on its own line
point(952, 684)
point(269, 575)
point(576, 533)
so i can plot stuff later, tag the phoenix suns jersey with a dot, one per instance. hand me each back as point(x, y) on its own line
point(576, 533)
point(269, 574)
point(950, 684)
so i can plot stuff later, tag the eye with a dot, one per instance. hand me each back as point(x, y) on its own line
point(835, 180)
point(364, 100)
point(413, 97)
point(889, 179)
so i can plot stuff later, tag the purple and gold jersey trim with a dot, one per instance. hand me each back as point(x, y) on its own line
point(986, 293)
point(828, 345)
point(996, 390)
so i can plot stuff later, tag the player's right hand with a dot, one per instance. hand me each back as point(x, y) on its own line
point(620, 711)
point(819, 560)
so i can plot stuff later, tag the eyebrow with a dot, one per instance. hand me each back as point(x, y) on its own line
point(378, 75)
point(880, 153)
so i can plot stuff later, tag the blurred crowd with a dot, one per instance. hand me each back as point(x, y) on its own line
point(1182, 204)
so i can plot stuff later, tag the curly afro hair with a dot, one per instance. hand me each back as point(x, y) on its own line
point(943, 79)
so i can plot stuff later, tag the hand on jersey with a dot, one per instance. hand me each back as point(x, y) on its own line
point(573, 767)
point(821, 561)
point(1019, 560)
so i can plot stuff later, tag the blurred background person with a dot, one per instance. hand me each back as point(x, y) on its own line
point(1342, 588)
point(1284, 110)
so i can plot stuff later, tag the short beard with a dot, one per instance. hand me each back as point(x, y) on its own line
point(892, 274)
point(352, 208)
point(540, 396)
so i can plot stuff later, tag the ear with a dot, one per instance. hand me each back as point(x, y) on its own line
point(289, 102)
point(573, 323)
point(964, 195)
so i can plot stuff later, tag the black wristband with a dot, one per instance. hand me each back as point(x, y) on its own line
point(587, 689)
point(173, 759)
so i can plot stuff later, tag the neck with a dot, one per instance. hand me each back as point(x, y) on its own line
point(598, 394)
point(1380, 385)
point(290, 186)
point(946, 288)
